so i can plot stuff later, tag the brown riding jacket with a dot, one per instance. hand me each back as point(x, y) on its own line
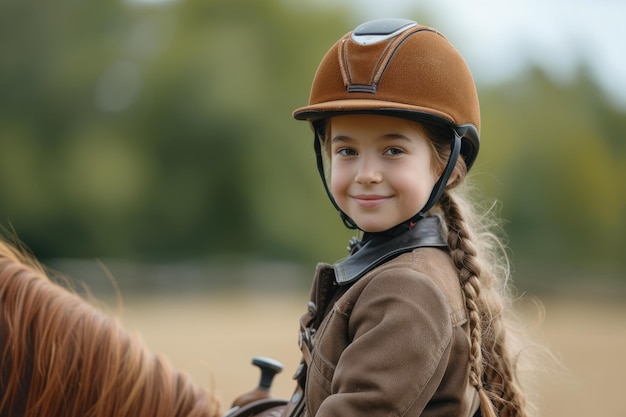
point(387, 333)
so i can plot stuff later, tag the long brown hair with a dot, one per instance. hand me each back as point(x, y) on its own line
point(484, 274)
point(63, 356)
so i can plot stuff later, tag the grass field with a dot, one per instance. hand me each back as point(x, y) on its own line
point(214, 337)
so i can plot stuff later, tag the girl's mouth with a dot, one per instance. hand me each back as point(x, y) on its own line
point(370, 200)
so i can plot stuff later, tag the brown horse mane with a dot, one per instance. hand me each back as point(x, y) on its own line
point(63, 356)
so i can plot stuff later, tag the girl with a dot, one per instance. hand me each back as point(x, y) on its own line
point(412, 322)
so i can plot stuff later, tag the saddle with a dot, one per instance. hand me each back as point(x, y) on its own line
point(258, 402)
point(269, 407)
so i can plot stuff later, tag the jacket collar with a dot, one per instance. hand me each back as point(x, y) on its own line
point(382, 247)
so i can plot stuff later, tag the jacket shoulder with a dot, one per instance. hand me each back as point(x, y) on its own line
point(431, 267)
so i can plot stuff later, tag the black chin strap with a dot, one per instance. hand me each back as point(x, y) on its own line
point(317, 145)
point(435, 194)
point(442, 182)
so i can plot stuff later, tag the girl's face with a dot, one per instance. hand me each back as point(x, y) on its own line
point(381, 169)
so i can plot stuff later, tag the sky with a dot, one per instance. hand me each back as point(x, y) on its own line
point(499, 38)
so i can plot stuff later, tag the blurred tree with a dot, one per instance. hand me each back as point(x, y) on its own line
point(559, 169)
point(154, 131)
point(163, 130)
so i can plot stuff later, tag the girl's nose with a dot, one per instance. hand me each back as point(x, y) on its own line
point(368, 172)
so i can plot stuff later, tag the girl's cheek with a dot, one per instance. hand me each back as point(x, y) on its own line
point(337, 182)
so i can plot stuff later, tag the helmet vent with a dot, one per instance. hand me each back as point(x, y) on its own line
point(361, 88)
point(380, 30)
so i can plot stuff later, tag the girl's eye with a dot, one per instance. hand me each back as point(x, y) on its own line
point(346, 152)
point(394, 151)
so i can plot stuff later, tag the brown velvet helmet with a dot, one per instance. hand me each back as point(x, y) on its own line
point(398, 68)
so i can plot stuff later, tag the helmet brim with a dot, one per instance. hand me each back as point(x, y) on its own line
point(319, 111)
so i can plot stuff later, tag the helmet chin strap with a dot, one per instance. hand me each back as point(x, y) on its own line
point(317, 145)
point(435, 194)
point(442, 182)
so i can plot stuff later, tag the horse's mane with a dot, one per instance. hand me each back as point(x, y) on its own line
point(62, 356)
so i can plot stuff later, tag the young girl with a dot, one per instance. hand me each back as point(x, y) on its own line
point(412, 322)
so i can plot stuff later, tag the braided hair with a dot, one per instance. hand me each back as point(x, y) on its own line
point(483, 271)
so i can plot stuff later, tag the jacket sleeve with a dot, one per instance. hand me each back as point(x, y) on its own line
point(400, 331)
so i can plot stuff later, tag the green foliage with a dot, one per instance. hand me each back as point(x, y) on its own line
point(147, 131)
point(139, 131)
point(558, 156)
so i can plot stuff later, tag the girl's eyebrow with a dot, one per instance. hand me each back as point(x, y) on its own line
point(340, 138)
point(388, 136)
point(396, 136)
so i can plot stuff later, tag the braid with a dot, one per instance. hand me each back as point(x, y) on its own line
point(492, 370)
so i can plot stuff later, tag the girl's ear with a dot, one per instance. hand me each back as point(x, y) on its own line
point(453, 177)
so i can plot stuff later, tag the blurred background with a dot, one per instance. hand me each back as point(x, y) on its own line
point(151, 141)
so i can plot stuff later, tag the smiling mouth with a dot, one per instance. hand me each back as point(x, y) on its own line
point(370, 200)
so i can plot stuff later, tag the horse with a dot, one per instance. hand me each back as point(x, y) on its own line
point(64, 356)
